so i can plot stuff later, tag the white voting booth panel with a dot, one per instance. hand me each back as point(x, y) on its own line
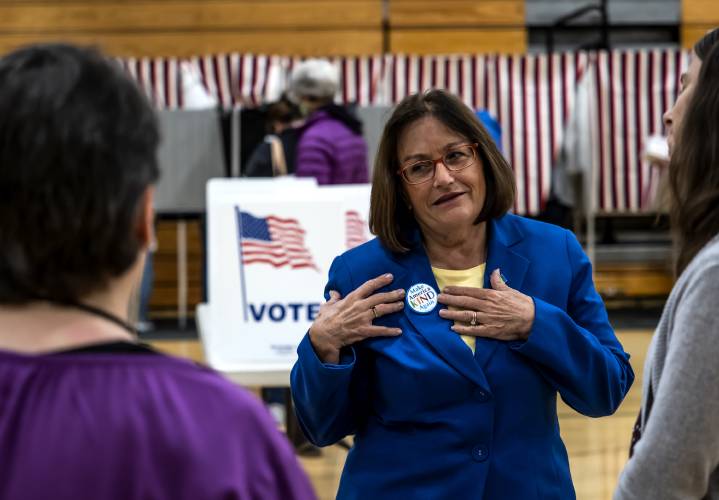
point(270, 244)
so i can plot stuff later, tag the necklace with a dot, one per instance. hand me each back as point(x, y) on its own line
point(96, 311)
point(102, 314)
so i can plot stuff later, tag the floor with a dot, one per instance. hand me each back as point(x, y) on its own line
point(597, 447)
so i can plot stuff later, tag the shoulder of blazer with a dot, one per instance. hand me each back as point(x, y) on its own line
point(371, 259)
point(513, 228)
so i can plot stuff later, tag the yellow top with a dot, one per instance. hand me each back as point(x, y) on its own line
point(474, 276)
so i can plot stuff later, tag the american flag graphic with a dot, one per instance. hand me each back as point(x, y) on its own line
point(355, 229)
point(272, 240)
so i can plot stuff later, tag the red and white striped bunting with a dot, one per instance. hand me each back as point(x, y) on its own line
point(159, 78)
point(531, 95)
point(633, 90)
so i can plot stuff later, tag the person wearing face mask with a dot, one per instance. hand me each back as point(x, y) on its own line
point(331, 147)
point(87, 411)
point(445, 340)
point(675, 445)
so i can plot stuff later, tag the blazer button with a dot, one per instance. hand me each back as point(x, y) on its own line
point(482, 395)
point(480, 453)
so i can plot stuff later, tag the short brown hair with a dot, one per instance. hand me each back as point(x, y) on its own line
point(390, 218)
point(78, 151)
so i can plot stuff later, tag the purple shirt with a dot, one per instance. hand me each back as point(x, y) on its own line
point(132, 426)
point(330, 151)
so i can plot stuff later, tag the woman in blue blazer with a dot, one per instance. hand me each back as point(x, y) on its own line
point(449, 389)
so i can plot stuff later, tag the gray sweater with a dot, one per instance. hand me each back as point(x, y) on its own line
point(677, 456)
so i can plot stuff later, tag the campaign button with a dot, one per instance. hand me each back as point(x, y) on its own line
point(421, 298)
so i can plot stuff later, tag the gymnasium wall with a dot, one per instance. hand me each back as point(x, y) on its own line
point(698, 16)
point(315, 27)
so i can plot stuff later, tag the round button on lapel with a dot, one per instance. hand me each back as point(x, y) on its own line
point(421, 298)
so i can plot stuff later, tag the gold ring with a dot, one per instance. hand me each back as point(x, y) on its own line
point(374, 311)
point(474, 319)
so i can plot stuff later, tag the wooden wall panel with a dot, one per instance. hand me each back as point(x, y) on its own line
point(181, 28)
point(443, 41)
point(692, 33)
point(700, 11)
point(163, 302)
point(620, 281)
point(698, 17)
point(457, 26)
point(317, 43)
point(184, 28)
point(188, 15)
point(456, 13)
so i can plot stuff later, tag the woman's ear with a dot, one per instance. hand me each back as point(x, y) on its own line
point(145, 224)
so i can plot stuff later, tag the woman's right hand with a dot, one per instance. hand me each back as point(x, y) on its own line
point(342, 322)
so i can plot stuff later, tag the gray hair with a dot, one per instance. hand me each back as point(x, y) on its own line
point(316, 78)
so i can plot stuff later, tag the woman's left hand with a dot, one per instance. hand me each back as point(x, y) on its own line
point(500, 313)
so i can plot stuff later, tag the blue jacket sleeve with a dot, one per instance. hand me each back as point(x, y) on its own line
point(330, 400)
point(576, 349)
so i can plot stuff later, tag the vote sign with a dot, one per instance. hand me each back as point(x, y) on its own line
point(270, 245)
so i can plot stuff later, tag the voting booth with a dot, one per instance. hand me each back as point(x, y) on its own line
point(270, 244)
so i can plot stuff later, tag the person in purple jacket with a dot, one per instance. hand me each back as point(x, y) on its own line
point(86, 411)
point(331, 147)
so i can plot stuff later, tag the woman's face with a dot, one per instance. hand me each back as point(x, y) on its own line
point(452, 199)
point(673, 117)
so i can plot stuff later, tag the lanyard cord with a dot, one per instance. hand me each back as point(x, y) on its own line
point(96, 311)
point(103, 314)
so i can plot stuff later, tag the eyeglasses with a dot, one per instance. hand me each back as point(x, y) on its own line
point(455, 159)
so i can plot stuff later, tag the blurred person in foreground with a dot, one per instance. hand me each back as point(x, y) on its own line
point(86, 411)
point(444, 341)
point(331, 147)
point(675, 446)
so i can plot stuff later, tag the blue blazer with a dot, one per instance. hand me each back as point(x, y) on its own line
point(432, 420)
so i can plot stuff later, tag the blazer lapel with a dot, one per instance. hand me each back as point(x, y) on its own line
point(502, 235)
point(430, 325)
